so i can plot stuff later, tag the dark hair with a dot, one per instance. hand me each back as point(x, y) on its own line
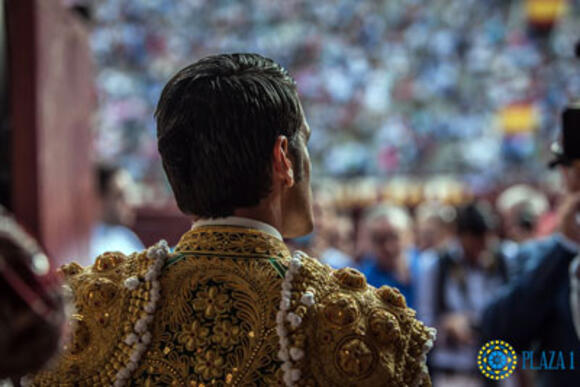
point(217, 122)
point(475, 219)
point(104, 175)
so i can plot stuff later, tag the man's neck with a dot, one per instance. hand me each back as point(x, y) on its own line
point(268, 212)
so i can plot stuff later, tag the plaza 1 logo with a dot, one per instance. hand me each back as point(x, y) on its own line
point(497, 360)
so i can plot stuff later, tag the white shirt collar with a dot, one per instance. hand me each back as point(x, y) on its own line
point(239, 222)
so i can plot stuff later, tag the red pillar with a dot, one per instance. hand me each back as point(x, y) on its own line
point(51, 102)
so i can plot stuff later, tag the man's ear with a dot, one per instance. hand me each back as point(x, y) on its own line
point(282, 164)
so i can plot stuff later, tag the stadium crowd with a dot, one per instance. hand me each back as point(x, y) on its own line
point(396, 87)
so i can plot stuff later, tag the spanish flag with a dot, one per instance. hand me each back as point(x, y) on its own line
point(543, 14)
point(521, 117)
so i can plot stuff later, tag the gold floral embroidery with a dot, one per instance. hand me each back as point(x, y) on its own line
point(217, 316)
point(193, 336)
point(225, 333)
point(209, 365)
point(243, 293)
point(107, 311)
point(355, 358)
point(360, 336)
point(203, 288)
point(212, 302)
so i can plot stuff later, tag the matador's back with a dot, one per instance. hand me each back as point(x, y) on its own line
point(230, 306)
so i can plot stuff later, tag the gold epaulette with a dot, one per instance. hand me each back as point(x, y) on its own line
point(235, 311)
point(335, 330)
point(114, 300)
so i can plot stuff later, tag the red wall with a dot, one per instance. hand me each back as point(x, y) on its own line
point(52, 98)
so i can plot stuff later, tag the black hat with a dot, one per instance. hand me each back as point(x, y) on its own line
point(568, 148)
point(475, 218)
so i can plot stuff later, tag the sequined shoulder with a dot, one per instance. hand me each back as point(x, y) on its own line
point(113, 304)
point(336, 330)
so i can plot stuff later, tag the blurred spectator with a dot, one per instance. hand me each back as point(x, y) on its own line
point(520, 207)
point(453, 292)
point(325, 214)
point(389, 262)
point(340, 243)
point(112, 232)
point(434, 225)
point(534, 312)
point(31, 310)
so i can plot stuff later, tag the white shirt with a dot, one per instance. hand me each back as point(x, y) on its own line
point(239, 222)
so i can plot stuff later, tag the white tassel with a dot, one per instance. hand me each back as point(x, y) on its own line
point(295, 375)
point(285, 304)
point(294, 320)
point(287, 379)
point(124, 374)
point(135, 356)
point(290, 375)
point(132, 366)
point(296, 354)
point(131, 339)
point(132, 283)
point(283, 355)
point(159, 252)
point(150, 307)
point(295, 264)
point(141, 325)
point(146, 338)
point(308, 299)
point(279, 318)
point(281, 331)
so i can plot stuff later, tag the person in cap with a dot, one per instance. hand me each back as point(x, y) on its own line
point(231, 305)
point(535, 310)
point(454, 288)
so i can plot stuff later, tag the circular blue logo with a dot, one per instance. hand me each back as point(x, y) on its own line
point(497, 360)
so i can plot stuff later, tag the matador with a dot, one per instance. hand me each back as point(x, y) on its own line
point(230, 304)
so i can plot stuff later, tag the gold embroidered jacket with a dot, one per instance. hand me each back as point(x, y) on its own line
point(231, 306)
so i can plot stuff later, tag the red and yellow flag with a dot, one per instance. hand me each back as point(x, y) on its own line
point(545, 13)
point(519, 118)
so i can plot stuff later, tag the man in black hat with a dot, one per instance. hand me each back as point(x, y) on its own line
point(567, 157)
point(533, 314)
